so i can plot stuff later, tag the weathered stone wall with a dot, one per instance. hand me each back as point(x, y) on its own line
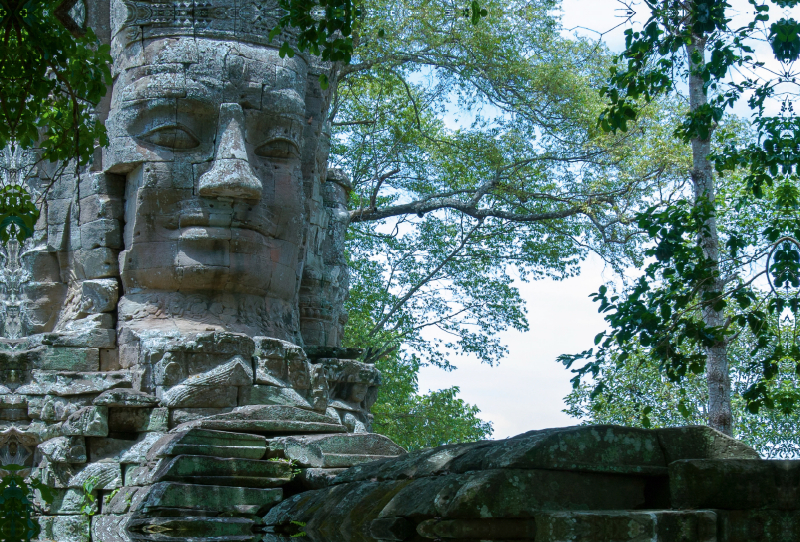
point(579, 484)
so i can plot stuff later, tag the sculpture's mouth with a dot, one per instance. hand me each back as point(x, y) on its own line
point(190, 227)
point(216, 233)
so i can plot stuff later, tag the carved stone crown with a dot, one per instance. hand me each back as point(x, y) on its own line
point(241, 20)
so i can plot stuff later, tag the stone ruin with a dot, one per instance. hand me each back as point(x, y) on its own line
point(170, 339)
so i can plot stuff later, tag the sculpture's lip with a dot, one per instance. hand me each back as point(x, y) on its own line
point(220, 233)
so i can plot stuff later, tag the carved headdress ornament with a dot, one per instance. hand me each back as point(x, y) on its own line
point(241, 20)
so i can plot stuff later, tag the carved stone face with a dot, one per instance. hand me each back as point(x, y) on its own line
point(358, 392)
point(210, 136)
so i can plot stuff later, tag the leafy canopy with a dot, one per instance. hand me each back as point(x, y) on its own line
point(662, 312)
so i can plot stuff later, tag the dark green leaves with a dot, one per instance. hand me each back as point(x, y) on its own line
point(784, 39)
point(18, 213)
point(324, 28)
point(17, 523)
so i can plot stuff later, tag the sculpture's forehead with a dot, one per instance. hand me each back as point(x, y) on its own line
point(213, 72)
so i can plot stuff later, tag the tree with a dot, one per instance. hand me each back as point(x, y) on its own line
point(444, 218)
point(677, 309)
point(53, 72)
point(637, 393)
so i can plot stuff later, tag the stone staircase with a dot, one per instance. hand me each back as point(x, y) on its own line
point(214, 479)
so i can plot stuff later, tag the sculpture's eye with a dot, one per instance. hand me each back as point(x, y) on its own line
point(171, 137)
point(278, 148)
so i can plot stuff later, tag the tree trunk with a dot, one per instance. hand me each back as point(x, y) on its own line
point(717, 373)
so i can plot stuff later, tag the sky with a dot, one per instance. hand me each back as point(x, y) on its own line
point(526, 390)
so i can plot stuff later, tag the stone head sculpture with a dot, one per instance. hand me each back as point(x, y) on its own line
point(218, 137)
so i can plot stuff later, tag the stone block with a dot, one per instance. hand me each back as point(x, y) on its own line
point(518, 493)
point(272, 395)
point(99, 263)
point(760, 525)
point(335, 451)
point(165, 496)
point(100, 206)
point(64, 529)
point(107, 528)
point(102, 183)
point(51, 408)
point(315, 478)
point(270, 419)
point(215, 388)
point(122, 501)
point(92, 338)
point(69, 383)
point(201, 469)
point(103, 232)
point(126, 398)
point(136, 475)
point(735, 484)
point(64, 450)
point(598, 448)
point(99, 295)
point(70, 359)
point(211, 443)
point(66, 502)
point(180, 416)
point(109, 360)
point(91, 421)
point(104, 475)
point(701, 442)
point(137, 420)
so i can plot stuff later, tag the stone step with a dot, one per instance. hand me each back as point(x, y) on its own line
point(588, 526)
point(335, 451)
point(599, 448)
point(199, 469)
point(735, 484)
point(196, 529)
point(198, 441)
point(193, 499)
point(268, 419)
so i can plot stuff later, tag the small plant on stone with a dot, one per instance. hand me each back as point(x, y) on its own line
point(293, 462)
point(88, 506)
point(16, 505)
point(299, 533)
point(107, 498)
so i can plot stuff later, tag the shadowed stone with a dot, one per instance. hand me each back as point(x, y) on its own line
point(67, 383)
point(335, 451)
point(735, 484)
point(210, 443)
point(166, 496)
point(64, 528)
point(199, 469)
point(126, 398)
point(198, 529)
point(270, 419)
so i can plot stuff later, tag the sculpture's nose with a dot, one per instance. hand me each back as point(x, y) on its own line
point(230, 175)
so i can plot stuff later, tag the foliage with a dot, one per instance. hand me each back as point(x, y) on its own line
point(326, 28)
point(417, 421)
point(636, 392)
point(50, 80)
point(89, 500)
point(16, 505)
point(444, 219)
point(674, 311)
